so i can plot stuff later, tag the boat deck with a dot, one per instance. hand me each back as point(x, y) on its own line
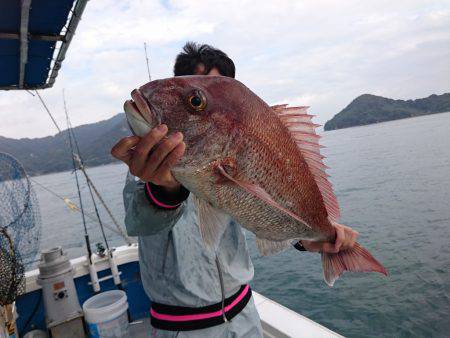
point(277, 320)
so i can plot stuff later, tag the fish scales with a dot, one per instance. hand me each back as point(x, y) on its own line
point(259, 164)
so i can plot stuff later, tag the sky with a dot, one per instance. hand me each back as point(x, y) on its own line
point(317, 53)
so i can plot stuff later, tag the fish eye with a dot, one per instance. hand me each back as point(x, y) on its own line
point(197, 100)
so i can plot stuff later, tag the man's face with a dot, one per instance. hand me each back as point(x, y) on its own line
point(200, 70)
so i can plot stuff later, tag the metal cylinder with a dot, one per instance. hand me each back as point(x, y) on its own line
point(58, 288)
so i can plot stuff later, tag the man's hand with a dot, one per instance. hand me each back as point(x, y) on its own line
point(345, 239)
point(152, 156)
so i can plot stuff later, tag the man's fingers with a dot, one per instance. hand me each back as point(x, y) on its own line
point(121, 149)
point(170, 160)
point(328, 247)
point(345, 239)
point(162, 151)
point(143, 148)
point(353, 236)
point(311, 246)
point(175, 155)
point(349, 238)
point(154, 136)
point(340, 238)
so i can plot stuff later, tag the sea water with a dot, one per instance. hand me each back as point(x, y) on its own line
point(392, 181)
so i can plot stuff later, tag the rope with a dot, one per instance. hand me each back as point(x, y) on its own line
point(74, 206)
point(48, 111)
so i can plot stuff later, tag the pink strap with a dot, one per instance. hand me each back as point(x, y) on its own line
point(183, 318)
point(158, 203)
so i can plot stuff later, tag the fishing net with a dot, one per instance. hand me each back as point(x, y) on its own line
point(19, 227)
point(11, 271)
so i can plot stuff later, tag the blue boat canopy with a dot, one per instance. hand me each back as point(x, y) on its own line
point(34, 38)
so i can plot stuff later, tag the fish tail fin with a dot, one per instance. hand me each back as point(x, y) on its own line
point(356, 259)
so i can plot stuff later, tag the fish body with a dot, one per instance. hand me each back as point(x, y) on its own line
point(259, 164)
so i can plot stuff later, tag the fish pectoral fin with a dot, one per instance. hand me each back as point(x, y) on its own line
point(260, 193)
point(212, 222)
point(267, 247)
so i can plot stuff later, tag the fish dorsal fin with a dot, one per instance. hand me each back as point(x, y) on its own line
point(302, 129)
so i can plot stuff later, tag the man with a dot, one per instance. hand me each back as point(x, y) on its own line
point(195, 292)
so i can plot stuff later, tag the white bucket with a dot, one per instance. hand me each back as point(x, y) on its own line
point(106, 314)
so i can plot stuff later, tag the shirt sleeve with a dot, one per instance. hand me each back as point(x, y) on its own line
point(142, 216)
point(161, 200)
point(299, 246)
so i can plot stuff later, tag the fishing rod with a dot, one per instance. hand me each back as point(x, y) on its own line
point(82, 167)
point(83, 170)
point(92, 271)
point(146, 59)
point(77, 157)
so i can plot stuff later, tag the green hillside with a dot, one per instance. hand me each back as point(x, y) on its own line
point(368, 109)
point(52, 154)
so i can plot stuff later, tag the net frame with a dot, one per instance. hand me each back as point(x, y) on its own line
point(19, 227)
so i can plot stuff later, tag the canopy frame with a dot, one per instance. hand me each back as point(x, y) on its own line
point(24, 37)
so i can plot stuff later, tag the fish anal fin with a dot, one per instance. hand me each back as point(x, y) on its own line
point(267, 247)
point(356, 259)
point(212, 222)
point(259, 193)
point(302, 130)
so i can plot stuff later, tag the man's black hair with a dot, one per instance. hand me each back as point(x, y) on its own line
point(194, 54)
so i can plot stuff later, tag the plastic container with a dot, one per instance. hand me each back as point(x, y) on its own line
point(36, 334)
point(106, 315)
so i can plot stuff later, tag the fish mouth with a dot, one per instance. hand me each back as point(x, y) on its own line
point(140, 108)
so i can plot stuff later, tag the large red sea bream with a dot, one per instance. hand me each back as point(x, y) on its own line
point(259, 164)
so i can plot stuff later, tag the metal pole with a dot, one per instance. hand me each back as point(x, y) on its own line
point(74, 20)
point(24, 18)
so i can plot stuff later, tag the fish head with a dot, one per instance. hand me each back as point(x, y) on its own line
point(206, 109)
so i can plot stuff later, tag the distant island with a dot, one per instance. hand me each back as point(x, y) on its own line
point(369, 109)
point(51, 154)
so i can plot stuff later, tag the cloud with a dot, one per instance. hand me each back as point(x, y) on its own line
point(319, 53)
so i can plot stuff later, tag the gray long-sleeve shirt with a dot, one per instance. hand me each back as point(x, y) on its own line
point(177, 268)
